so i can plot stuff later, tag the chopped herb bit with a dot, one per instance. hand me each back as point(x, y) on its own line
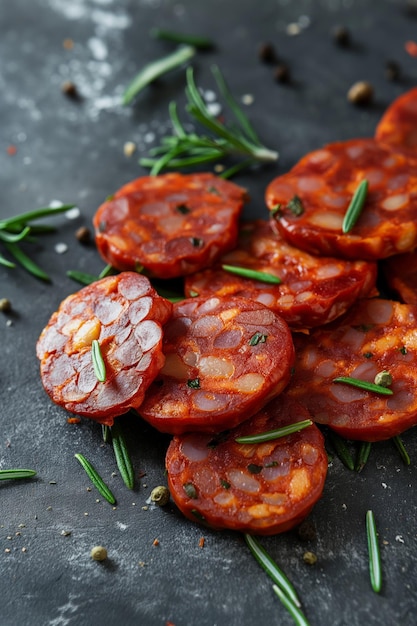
point(155, 69)
point(110, 197)
point(363, 384)
point(183, 209)
point(257, 338)
point(355, 207)
point(193, 294)
point(193, 383)
point(374, 555)
point(383, 378)
point(397, 441)
point(255, 469)
point(295, 206)
point(368, 355)
point(276, 210)
point(364, 328)
point(403, 350)
point(252, 274)
point(271, 464)
point(214, 190)
point(98, 361)
point(10, 474)
point(202, 43)
point(198, 515)
point(225, 484)
point(276, 433)
point(190, 490)
point(197, 242)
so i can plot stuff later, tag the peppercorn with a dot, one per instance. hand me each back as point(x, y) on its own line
point(69, 89)
point(267, 53)
point(360, 93)
point(83, 235)
point(98, 553)
point(5, 305)
point(282, 73)
point(310, 558)
point(160, 495)
point(341, 36)
point(384, 379)
point(392, 70)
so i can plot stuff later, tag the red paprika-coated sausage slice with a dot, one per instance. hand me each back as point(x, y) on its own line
point(324, 183)
point(264, 488)
point(398, 125)
point(374, 336)
point(225, 358)
point(172, 224)
point(125, 315)
point(313, 290)
point(400, 272)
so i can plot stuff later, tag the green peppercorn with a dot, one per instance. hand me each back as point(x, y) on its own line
point(160, 495)
point(384, 379)
point(5, 305)
point(98, 553)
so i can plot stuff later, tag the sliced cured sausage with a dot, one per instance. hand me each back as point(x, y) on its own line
point(398, 125)
point(125, 315)
point(375, 336)
point(309, 202)
point(263, 488)
point(172, 224)
point(400, 272)
point(225, 358)
point(313, 290)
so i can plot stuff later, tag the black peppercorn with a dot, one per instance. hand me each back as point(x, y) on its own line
point(341, 36)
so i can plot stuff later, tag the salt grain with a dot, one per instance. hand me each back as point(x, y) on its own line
point(248, 99)
point(73, 213)
point(214, 108)
point(61, 248)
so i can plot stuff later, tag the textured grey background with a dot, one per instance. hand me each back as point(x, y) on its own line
point(72, 151)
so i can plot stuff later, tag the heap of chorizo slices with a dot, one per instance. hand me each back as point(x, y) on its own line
point(242, 354)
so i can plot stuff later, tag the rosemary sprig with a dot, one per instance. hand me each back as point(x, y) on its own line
point(16, 473)
point(123, 460)
point(96, 479)
point(155, 69)
point(363, 384)
point(342, 450)
point(264, 277)
point(272, 569)
point(201, 43)
point(374, 554)
point(98, 361)
point(86, 279)
point(355, 207)
point(185, 149)
point(398, 443)
point(14, 230)
point(363, 455)
point(295, 612)
point(275, 434)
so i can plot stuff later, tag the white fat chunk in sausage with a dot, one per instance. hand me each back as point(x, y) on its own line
point(52, 341)
point(267, 299)
point(393, 203)
point(87, 379)
point(133, 289)
point(365, 371)
point(126, 354)
point(139, 310)
point(148, 334)
point(107, 310)
point(73, 393)
point(374, 177)
point(228, 339)
point(208, 305)
point(380, 311)
point(207, 325)
point(249, 383)
point(309, 454)
point(346, 393)
point(354, 339)
point(335, 201)
point(327, 220)
point(160, 209)
point(328, 270)
point(244, 481)
point(275, 471)
point(326, 368)
point(215, 367)
point(125, 385)
point(195, 447)
point(225, 498)
point(400, 400)
point(206, 480)
point(309, 183)
point(261, 317)
point(61, 371)
point(208, 401)
point(398, 182)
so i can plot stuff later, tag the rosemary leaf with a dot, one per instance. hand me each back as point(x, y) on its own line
point(276, 433)
point(123, 459)
point(363, 455)
point(342, 450)
point(81, 277)
point(27, 263)
point(397, 441)
point(98, 361)
point(22, 219)
point(295, 612)
point(272, 569)
point(201, 43)
point(155, 69)
point(6, 262)
point(355, 207)
point(363, 384)
point(96, 479)
point(106, 434)
point(16, 473)
point(374, 554)
point(252, 274)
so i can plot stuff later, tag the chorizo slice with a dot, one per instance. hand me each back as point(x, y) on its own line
point(308, 203)
point(172, 224)
point(224, 359)
point(125, 315)
point(400, 272)
point(263, 488)
point(375, 336)
point(398, 125)
point(313, 290)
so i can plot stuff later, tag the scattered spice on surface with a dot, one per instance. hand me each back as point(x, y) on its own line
point(83, 235)
point(341, 36)
point(361, 92)
point(160, 495)
point(74, 420)
point(266, 53)
point(201, 542)
point(309, 557)
point(68, 44)
point(155, 542)
point(65, 533)
point(98, 553)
